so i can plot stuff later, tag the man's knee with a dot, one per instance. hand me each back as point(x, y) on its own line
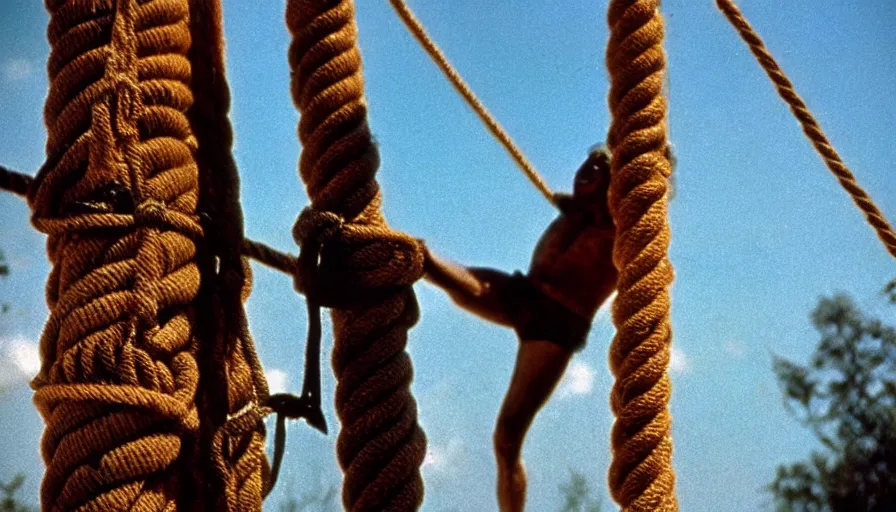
point(507, 440)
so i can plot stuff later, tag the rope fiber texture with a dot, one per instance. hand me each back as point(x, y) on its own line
point(136, 274)
point(419, 32)
point(19, 183)
point(117, 199)
point(370, 267)
point(641, 477)
point(810, 126)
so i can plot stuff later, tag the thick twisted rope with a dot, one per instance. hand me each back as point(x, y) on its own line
point(19, 183)
point(641, 476)
point(117, 198)
point(269, 256)
point(810, 126)
point(14, 181)
point(419, 32)
point(233, 387)
point(371, 268)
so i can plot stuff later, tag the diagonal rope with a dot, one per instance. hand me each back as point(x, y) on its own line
point(14, 181)
point(641, 476)
point(810, 126)
point(416, 27)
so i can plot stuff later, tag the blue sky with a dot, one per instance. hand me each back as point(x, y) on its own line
point(760, 228)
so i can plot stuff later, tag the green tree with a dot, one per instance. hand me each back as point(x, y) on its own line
point(317, 500)
point(9, 502)
point(846, 395)
point(577, 495)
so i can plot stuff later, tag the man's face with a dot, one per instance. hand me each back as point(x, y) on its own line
point(593, 177)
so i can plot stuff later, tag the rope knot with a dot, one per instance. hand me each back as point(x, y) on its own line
point(343, 264)
point(313, 228)
point(150, 213)
point(316, 226)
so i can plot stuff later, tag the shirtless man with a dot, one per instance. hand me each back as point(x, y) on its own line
point(550, 308)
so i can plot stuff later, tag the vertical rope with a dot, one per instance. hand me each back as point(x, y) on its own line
point(380, 446)
point(810, 126)
point(641, 476)
point(117, 200)
point(233, 386)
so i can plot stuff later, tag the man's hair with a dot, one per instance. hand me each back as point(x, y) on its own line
point(597, 148)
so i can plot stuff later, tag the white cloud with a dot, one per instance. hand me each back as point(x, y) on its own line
point(445, 461)
point(578, 380)
point(679, 363)
point(17, 69)
point(735, 349)
point(26, 357)
point(604, 311)
point(19, 362)
point(277, 380)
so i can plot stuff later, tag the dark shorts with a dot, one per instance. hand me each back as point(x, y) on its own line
point(539, 317)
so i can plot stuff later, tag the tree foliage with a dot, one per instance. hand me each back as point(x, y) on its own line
point(846, 395)
point(8, 501)
point(578, 496)
point(317, 500)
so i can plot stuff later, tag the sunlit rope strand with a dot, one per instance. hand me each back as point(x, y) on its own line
point(419, 32)
point(810, 126)
point(641, 475)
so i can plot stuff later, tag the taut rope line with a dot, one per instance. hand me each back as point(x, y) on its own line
point(419, 32)
point(810, 126)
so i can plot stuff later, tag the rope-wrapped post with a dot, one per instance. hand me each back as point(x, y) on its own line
point(117, 199)
point(641, 477)
point(370, 267)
